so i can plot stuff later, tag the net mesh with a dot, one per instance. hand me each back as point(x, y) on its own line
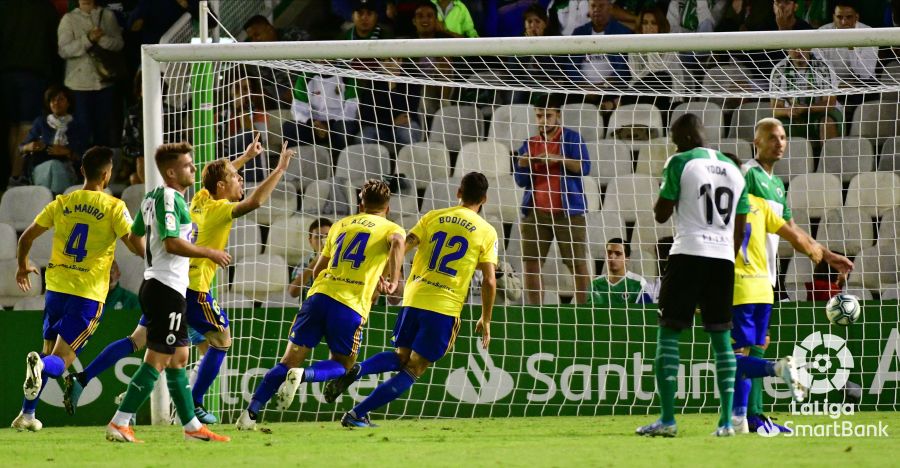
point(422, 123)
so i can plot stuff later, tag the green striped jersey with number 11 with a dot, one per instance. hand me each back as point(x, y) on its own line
point(709, 191)
point(164, 214)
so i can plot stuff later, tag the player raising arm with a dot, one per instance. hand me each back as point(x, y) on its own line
point(86, 224)
point(164, 219)
point(453, 242)
point(347, 272)
point(212, 210)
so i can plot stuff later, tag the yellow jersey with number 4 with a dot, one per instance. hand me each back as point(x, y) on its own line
point(85, 225)
point(452, 242)
point(212, 225)
point(358, 248)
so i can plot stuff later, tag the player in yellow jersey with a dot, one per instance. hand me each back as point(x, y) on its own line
point(753, 298)
point(453, 243)
point(86, 224)
point(212, 210)
point(337, 306)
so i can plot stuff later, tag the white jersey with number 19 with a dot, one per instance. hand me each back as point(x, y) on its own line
point(709, 191)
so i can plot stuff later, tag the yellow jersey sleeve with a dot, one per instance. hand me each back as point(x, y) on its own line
point(47, 216)
point(452, 242)
point(772, 220)
point(212, 225)
point(121, 219)
point(357, 248)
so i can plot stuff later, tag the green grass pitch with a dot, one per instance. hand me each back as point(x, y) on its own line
point(547, 441)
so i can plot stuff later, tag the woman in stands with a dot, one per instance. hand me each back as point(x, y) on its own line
point(53, 147)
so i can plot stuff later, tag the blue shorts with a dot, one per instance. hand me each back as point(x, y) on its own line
point(73, 318)
point(319, 316)
point(750, 324)
point(204, 314)
point(196, 338)
point(428, 333)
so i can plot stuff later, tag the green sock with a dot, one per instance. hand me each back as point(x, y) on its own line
point(180, 393)
point(754, 402)
point(726, 367)
point(139, 388)
point(666, 369)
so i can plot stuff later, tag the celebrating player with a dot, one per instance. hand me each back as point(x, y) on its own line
point(165, 220)
point(459, 242)
point(337, 306)
point(86, 224)
point(708, 191)
point(212, 210)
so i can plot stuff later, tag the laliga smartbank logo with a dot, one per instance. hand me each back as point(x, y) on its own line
point(824, 363)
point(492, 383)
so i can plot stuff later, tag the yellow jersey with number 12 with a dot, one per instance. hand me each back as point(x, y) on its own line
point(212, 225)
point(85, 224)
point(751, 267)
point(452, 242)
point(358, 248)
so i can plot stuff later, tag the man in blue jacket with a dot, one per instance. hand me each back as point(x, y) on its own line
point(550, 166)
point(601, 69)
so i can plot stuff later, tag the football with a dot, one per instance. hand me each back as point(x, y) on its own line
point(843, 309)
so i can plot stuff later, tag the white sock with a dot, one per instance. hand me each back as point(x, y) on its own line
point(122, 418)
point(28, 416)
point(193, 425)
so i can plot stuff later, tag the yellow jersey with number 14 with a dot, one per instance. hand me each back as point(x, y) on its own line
point(212, 225)
point(85, 225)
point(452, 242)
point(358, 248)
point(751, 267)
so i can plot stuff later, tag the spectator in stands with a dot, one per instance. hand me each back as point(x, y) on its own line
point(425, 20)
point(814, 118)
point(96, 103)
point(746, 15)
point(119, 298)
point(365, 22)
point(618, 287)
point(688, 16)
point(786, 16)
point(153, 18)
point(537, 70)
point(851, 64)
point(627, 12)
point(301, 276)
point(28, 64)
point(550, 166)
point(271, 82)
point(814, 12)
point(132, 169)
point(454, 18)
point(325, 110)
point(655, 70)
point(602, 68)
point(388, 110)
point(55, 142)
point(826, 282)
point(566, 15)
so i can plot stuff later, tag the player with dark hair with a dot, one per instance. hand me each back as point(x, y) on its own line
point(347, 273)
point(86, 224)
point(708, 191)
point(454, 243)
point(302, 275)
point(619, 286)
point(164, 218)
point(213, 208)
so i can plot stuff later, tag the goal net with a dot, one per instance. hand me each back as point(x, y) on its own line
point(423, 114)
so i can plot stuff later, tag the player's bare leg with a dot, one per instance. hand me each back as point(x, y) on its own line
point(534, 292)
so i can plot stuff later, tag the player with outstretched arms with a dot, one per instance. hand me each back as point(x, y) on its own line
point(86, 224)
point(212, 209)
point(708, 191)
point(347, 273)
point(166, 222)
point(452, 244)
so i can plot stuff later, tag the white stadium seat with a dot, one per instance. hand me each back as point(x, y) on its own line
point(358, 163)
point(311, 163)
point(491, 158)
point(513, 124)
point(256, 277)
point(20, 205)
point(609, 159)
point(815, 193)
point(9, 290)
point(132, 196)
point(631, 196)
point(585, 119)
point(423, 162)
point(289, 239)
point(8, 242)
point(710, 114)
point(455, 126)
point(846, 157)
point(874, 192)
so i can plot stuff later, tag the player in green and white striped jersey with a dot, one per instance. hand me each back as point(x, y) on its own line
point(618, 287)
